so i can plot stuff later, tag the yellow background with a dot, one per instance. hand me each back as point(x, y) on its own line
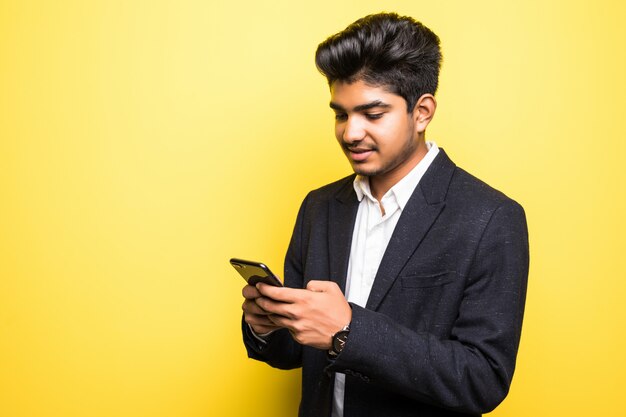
point(144, 143)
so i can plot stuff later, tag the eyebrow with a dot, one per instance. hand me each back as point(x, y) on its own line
point(361, 107)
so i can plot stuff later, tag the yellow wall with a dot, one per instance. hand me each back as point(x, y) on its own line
point(144, 143)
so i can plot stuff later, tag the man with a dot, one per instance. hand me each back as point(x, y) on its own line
point(405, 283)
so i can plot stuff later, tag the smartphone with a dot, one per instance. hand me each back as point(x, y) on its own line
point(254, 272)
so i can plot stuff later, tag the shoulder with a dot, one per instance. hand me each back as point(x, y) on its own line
point(467, 186)
point(317, 203)
point(479, 201)
point(334, 187)
point(341, 189)
point(461, 191)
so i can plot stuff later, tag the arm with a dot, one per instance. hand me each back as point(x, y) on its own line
point(471, 370)
point(280, 349)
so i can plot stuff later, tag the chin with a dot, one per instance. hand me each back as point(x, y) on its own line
point(364, 171)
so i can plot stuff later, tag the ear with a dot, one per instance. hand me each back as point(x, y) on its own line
point(423, 112)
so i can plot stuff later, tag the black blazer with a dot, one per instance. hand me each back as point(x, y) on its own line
point(441, 328)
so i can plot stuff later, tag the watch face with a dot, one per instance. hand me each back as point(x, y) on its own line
point(339, 340)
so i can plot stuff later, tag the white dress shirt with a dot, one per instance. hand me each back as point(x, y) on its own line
point(372, 232)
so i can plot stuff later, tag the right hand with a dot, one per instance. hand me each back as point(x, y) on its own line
point(254, 315)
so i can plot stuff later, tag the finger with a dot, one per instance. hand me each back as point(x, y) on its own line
point(274, 307)
point(255, 319)
point(284, 294)
point(250, 292)
point(261, 324)
point(249, 306)
point(281, 321)
point(321, 286)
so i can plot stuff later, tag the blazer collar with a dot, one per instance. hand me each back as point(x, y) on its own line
point(435, 182)
point(422, 209)
point(341, 217)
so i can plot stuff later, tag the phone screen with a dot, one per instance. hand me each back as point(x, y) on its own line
point(254, 272)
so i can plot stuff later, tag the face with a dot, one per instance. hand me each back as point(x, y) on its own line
point(377, 134)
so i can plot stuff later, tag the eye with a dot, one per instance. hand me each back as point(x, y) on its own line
point(373, 116)
point(341, 116)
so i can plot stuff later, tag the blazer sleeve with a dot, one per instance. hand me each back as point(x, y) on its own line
point(281, 350)
point(470, 371)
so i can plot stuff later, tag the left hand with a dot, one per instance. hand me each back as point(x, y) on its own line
point(312, 315)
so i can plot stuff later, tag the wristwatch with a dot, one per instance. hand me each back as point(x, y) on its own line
point(339, 340)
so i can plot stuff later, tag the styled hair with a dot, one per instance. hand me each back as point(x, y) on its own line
point(384, 50)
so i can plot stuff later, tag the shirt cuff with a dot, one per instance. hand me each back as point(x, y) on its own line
point(260, 337)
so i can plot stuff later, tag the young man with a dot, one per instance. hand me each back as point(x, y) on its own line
point(405, 283)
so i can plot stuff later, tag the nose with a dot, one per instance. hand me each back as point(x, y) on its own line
point(353, 130)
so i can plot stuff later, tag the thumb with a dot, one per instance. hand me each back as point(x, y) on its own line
point(320, 286)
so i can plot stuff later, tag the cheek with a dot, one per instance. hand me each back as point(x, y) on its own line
point(385, 134)
point(396, 132)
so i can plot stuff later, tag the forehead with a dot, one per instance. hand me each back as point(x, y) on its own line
point(349, 94)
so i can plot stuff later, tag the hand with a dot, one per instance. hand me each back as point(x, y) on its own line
point(253, 314)
point(312, 315)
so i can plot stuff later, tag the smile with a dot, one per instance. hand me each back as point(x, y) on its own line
point(360, 155)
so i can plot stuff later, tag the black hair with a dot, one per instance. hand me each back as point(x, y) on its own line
point(385, 50)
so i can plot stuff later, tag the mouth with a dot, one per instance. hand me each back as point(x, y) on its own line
point(359, 154)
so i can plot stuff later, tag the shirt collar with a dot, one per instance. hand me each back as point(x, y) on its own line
point(402, 190)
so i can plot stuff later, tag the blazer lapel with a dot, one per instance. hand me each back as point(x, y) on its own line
point(418, 215)
point(341, 217)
